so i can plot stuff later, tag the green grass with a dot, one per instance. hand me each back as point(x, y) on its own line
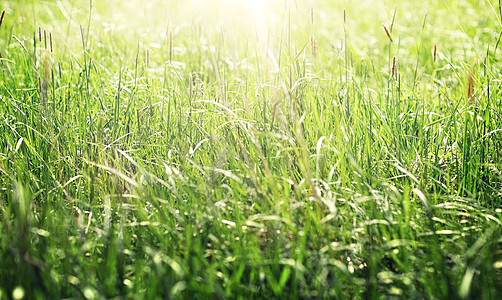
point(168, 151)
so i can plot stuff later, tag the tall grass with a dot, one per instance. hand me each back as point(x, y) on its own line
point(319, 157)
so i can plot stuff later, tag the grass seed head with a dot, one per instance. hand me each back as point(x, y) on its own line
point(313, 45)
point(393, 67)
point(470, 88)
point(434, 53)
point(1, 18)
point(388, 33)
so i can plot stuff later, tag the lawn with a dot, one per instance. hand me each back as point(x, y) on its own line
point(222, 149)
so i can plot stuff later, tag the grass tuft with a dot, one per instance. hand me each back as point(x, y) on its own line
point(164, 150)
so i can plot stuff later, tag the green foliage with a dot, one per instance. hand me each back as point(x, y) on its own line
point(209, 159)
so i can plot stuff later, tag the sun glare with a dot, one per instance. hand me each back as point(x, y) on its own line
point(256, 6)
point(246, 16)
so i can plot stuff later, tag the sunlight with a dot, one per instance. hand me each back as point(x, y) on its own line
point(246, 9)
point(250, 17)
point(255, 6)
point(249, 6)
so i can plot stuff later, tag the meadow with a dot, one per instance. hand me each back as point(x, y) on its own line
point(250, 149)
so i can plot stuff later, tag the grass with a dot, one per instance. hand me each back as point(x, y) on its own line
point(169, 151)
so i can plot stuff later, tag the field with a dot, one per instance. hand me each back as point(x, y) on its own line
point(250, 149)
